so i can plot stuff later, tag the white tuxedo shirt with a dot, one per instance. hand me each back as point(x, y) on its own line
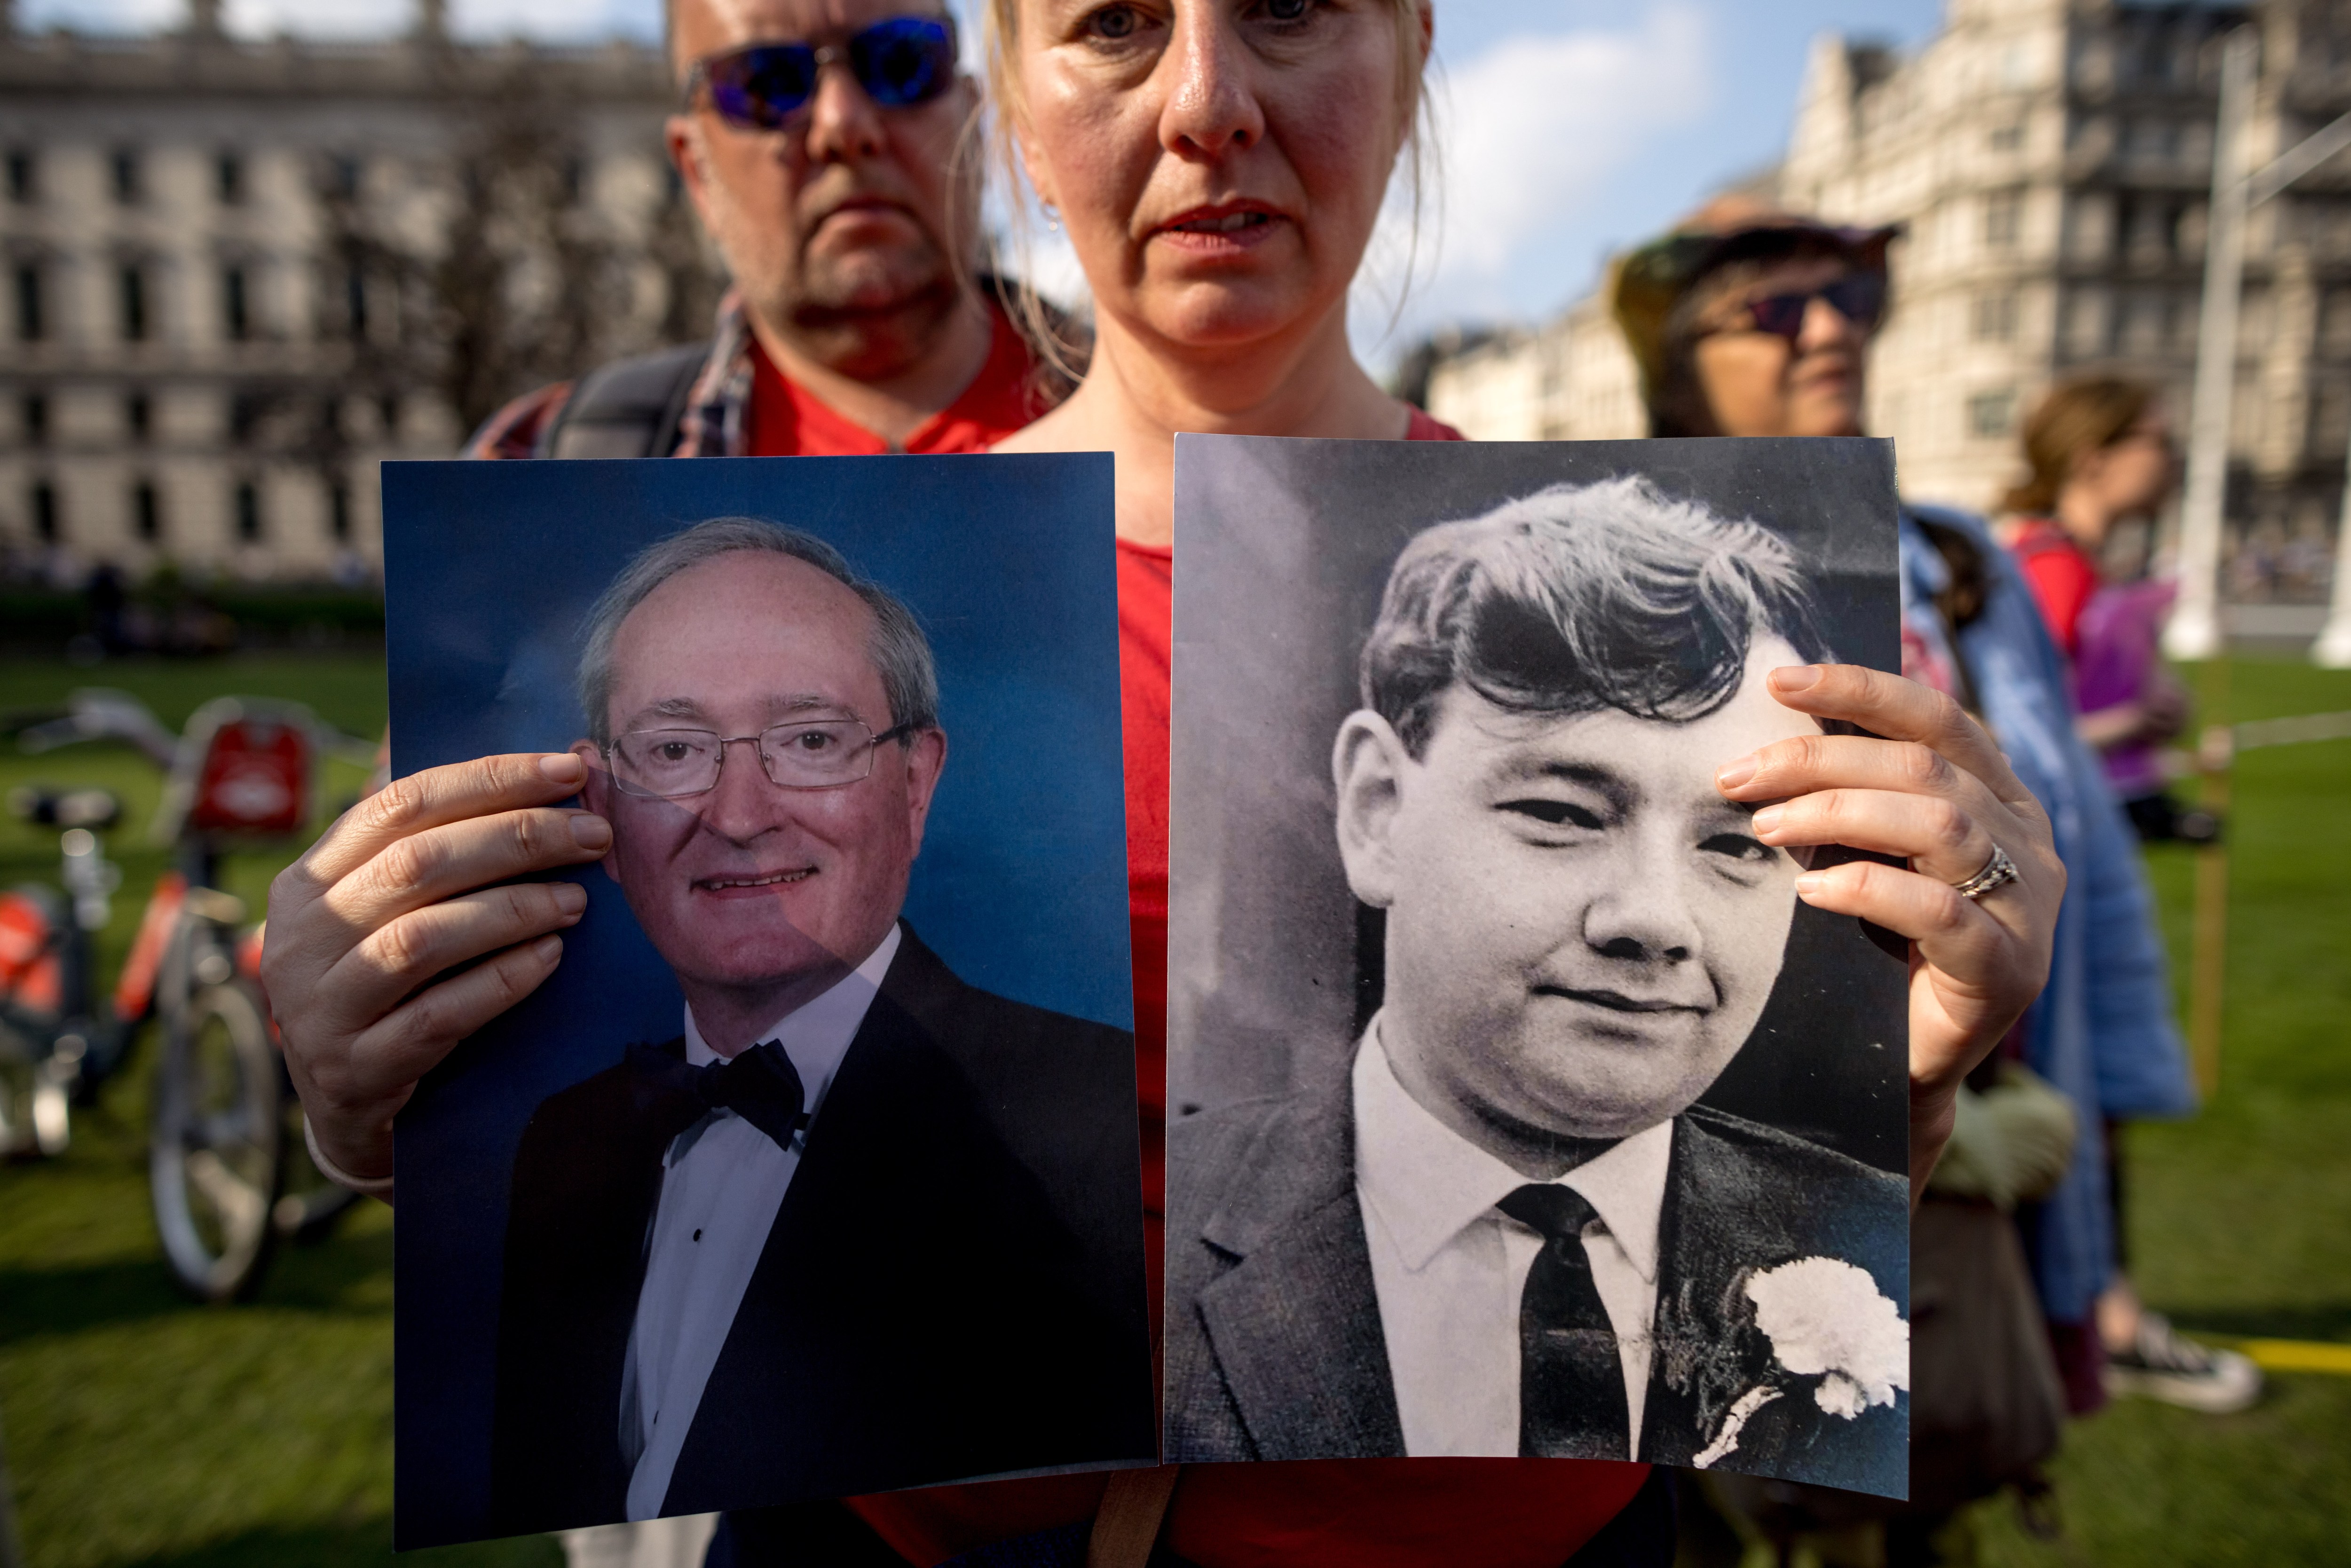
point(723, 1181)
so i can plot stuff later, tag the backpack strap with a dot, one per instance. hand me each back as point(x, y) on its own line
point(631, 408)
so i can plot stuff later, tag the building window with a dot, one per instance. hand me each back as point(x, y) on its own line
point(138, 416)
point(1990, 414)
point(387, 415)
point(2086, 326)
point(338, 512)
point(228, 179)
point(134, 304)
point(2334, 323)
point(245, 413)
point(37, 420)
point(30, 325)
point(2003, 218)
point(249, 513)
point(2007, 138)
point(1995, 318)
point(355, 301)
point(45, 513)
point(146, 513)
point(21, 185)
point(343, 174)
point(235, 319)
point(127, 184)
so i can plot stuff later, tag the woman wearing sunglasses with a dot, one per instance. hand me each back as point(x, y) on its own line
point(1747, 321)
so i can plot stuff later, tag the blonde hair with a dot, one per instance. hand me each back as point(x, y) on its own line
point(1006, 111)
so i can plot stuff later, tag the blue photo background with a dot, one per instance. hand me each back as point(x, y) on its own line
point(1022, 884)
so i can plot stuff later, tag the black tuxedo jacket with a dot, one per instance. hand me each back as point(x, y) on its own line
point(1274, 1344)
point(952, 1287)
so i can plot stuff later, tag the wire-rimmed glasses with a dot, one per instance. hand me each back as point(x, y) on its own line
point(670, 763)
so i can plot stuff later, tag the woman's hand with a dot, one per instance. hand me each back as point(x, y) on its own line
point(395, 894)
point(1936, 790)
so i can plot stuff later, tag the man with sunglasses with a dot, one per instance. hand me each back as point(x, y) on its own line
point(816, 138)
point(853, 1228)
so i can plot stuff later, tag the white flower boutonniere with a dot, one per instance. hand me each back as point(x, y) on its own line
point(1826, 1318)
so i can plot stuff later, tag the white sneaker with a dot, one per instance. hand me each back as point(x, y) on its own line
point(2165, 1365)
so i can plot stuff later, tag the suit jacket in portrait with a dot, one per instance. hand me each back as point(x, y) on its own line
point(1274, 1344)
point(952, 1285)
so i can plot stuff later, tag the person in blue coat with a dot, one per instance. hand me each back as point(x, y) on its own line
point(1750, 322)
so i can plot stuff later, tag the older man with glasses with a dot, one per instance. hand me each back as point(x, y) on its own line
point(816, 138)
point(814, 1244)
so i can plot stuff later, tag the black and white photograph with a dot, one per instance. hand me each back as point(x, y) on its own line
point(1519, 1106)
point(813, 1170)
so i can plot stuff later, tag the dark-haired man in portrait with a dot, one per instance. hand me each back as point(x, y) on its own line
point(860, 1225)
point(1508, 1228)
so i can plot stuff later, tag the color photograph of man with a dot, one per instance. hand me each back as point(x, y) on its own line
point(851, 1227)
point(1507, 1226)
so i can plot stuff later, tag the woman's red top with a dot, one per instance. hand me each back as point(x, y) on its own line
point(2061, 573)
point(1354, 1514)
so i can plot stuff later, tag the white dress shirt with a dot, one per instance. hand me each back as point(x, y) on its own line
point(723, 1181)
point(1450, 1268)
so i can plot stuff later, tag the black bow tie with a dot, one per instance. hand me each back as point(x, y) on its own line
point(761, 1085)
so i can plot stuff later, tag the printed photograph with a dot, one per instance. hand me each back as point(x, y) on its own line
point(1518, 1105)
point(813, 1170)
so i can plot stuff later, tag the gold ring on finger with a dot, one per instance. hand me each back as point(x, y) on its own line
point(1998, 871)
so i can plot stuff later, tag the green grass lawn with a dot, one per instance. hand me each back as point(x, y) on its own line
point(144, 1430)
point(141, 1428)
point(2241, 1220)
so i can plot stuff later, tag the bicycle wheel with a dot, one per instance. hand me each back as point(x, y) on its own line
point(215, 1158)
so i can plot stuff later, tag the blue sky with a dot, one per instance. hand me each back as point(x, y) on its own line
point(1569, 127)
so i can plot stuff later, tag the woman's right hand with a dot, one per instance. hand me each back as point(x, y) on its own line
point(395, 893)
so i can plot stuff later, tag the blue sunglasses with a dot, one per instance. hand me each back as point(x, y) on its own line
point(904, 62)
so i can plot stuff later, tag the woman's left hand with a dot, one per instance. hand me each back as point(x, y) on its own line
point(1936, 790)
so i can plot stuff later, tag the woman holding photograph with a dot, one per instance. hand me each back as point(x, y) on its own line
point(1219, 166)
point(1219, 170)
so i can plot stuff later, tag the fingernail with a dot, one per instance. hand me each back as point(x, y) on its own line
point(592, 832)
point(1796, 677)
point(1808, 884)
point(548, 949)
point(1767, 819)
point(1733, 774)
point(563, 767)
point(570, 897)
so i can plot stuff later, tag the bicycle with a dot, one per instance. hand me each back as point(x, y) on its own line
point(228, 1174)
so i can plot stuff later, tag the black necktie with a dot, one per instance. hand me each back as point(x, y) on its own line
point(761, 1085)
point(1571, 1383)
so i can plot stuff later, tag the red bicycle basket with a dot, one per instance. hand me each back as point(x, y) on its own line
point(255, 779)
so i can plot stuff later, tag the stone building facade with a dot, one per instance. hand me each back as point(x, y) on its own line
point(2051, 161)
point(1570, 379)
point(240, 274)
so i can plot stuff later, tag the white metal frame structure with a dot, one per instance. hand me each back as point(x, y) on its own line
point(2195, 630)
